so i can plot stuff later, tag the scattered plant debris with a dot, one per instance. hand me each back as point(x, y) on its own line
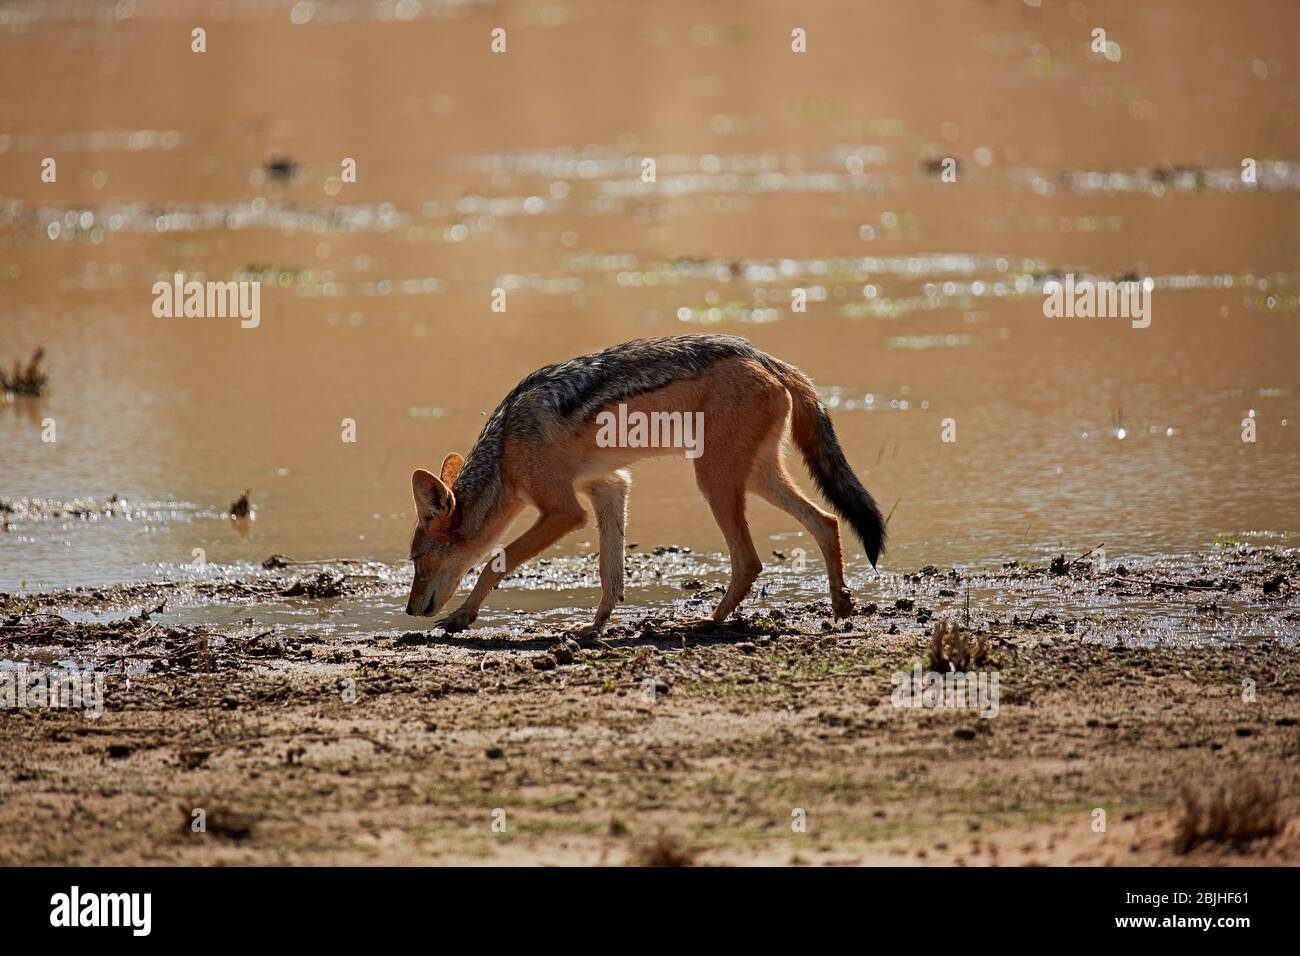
point(321, 585)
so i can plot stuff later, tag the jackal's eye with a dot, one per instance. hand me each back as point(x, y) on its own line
point(434, 531)
point(421, 545)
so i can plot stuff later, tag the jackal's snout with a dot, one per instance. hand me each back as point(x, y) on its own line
point(430, 590)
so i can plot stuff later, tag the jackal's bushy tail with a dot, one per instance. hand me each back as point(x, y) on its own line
point(834, 477)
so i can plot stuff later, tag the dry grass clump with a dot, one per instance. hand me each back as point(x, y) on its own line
point(664, 850)
point(29, 381)
point(218, 821)
point(952, 649)
point(1249, 810)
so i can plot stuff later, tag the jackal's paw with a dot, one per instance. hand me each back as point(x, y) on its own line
point(842, 602)
point(457, 621)
point(587, 631)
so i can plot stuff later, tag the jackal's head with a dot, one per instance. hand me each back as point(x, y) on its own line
point(440, 554)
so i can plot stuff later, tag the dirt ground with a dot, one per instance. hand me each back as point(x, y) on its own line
point(774, 740)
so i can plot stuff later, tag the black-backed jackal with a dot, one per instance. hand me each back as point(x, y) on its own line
point(550, 440)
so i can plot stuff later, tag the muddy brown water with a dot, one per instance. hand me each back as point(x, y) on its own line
point(522, 171)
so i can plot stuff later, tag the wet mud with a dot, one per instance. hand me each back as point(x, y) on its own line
point(775, 738)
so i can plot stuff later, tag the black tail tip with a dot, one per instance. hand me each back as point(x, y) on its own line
point(873, 542)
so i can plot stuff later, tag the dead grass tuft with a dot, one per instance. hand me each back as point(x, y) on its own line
point(664, 850)
point(952, 649)
point(1249, 810)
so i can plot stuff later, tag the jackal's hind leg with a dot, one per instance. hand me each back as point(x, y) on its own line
point(735, 442)
point(726, 498)
point(770, 481)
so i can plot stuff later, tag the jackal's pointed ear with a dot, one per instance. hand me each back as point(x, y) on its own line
point(432, 497)
point(451, 468)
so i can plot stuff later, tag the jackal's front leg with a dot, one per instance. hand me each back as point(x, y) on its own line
point(609, 497)
point(549, 528)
